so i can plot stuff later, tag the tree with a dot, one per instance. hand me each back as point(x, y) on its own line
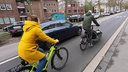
point(87, 6)
point(125, 5)
point(112, 3)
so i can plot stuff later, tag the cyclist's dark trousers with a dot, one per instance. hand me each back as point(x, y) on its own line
point(41, 63)
point(89, 33)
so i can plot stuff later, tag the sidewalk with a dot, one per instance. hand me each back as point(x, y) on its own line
point(116, 59)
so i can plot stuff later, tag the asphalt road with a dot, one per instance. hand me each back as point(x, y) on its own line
point(78, 59)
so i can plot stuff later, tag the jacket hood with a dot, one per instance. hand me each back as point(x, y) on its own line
point(28, 25)
point(88, 14)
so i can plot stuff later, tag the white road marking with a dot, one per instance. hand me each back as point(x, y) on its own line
point(96, 60)
point(8, 60)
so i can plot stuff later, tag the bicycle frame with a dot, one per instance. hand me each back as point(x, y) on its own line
point(50, 53)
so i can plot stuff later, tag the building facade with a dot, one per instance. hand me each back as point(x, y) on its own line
point(8, 12)
point(51, 7)
point(17, 10)
point(73, 7)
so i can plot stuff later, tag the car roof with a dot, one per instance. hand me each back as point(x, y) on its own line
point(51, 22)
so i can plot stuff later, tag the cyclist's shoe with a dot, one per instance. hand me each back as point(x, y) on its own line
point(81, 41)
point(44, 71)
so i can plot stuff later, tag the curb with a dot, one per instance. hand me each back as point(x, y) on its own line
point(107, 60)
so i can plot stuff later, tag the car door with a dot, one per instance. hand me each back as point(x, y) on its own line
point(71, 29)
point(59, 31)
point(66, 30)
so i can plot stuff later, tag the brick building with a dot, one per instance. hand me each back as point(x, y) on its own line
point(17, 10)
point(51, 7)
point(8, 12)
point(73, 7)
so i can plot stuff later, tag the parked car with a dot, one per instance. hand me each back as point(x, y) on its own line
point(96, 15)
point(106, 14)
point(75, 18)
point(15, 29)
point(60, 29)
point(6, 29)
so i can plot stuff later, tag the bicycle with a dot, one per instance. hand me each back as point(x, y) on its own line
point(95, 36)
point(54, 54)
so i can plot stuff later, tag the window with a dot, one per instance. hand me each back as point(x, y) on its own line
point(72, 5)
point(6, 20)
point(49, 27)
point(81, 10)
point(75, 10)
point(66, 24)
point(54, 10)
point(69, 11)
point(8, 6)
point(26, 3)
point(2, 7)
point(12, 19)
point(69, 5)
point(1, 21)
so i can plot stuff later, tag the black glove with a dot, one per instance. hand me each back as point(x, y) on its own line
point(98, 25)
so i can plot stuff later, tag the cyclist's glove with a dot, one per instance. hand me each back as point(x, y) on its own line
point(98, 25)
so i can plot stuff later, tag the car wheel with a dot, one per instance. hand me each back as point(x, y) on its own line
point(79, 31)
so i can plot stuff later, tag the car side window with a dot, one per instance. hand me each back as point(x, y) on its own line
point(49, 27)
point(66, 24)
point(59, 25)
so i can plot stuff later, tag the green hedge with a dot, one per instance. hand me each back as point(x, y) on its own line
point(4, 34)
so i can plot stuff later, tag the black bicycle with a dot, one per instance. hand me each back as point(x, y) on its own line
point(85, 41)
point(57, 56)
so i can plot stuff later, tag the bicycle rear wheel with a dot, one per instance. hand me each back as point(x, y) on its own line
point(26, 69)
point(84, 44)
point(60, 58)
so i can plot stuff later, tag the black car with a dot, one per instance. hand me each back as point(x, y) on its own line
point(60, 29)
point(15, 30)
point(75, 18)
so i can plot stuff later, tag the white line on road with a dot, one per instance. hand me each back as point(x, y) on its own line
point(8, 60)
point(96, 60)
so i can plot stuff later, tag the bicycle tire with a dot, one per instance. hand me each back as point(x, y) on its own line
point(56, 58)
point(26, 69)
point(84, 44)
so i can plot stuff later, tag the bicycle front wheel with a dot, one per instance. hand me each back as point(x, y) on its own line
point(60, 58)
point(27, 69)
point(84, 44)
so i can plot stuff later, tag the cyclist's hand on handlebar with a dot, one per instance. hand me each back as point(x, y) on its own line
point(57, 40)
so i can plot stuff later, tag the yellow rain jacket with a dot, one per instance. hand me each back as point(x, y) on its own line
point(27, 48)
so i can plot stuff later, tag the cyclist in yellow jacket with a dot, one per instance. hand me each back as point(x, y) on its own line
point(27, 48)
